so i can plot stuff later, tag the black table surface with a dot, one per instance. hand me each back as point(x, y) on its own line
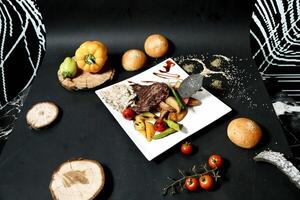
point(87, 129)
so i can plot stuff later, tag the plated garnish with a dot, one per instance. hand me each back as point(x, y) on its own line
point(153, 109)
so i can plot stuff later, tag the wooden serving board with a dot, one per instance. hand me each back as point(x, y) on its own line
point(85, 80)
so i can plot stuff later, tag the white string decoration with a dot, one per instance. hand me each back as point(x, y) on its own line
point(20, 20)
point(28, 14)
point(277, 33)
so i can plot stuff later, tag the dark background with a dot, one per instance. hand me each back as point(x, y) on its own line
point(201, 26)
point(281, 76)
point(88, 130)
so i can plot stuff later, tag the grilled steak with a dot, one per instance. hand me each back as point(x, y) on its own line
point(149, 96)
point(139, 89)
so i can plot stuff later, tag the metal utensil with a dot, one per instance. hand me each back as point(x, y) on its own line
point(190, 85)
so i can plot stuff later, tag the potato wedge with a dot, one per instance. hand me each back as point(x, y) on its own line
point(171, 101)
point(173, 116)
point(139, 125)
point(167, 107)
point(193, 102)
point(163, 113)
point(149, 131)
point(177, 117)
point(148, 116)
point(139, 118)
point(181, 115)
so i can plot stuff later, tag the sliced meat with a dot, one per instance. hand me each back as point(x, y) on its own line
point(139, 89)
point(149, 96)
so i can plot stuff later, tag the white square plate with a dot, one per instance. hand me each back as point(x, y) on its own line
point(198, 117)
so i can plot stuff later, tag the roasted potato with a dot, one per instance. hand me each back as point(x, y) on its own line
point(146, 116)
point(171, 101)
point(193, 102)
point(163, 114)
point(167, 107)
point(149, 131)
point(139, 125)
point(177, 117)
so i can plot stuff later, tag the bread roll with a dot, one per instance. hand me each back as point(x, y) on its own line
point(133, 59)
point(156, 45)
point(244, 132)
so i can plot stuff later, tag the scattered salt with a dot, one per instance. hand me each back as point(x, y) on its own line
point(233, 81)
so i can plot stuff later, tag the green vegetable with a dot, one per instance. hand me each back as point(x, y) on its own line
point(178, 98)
point(163, 134)
point(173, 125)
point(68, 68)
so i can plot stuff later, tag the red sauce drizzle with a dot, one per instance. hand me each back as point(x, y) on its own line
point(149, 81)
point(164, 73)
point(167, 67)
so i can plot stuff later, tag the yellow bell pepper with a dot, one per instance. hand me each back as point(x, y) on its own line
point(91, 56)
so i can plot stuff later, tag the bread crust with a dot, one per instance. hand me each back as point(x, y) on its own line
point(133, 59)
point(156, 45)
point(244, 132)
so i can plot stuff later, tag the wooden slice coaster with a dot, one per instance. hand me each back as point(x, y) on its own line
point(42, 114)
point(85, 80)
point(77, 179)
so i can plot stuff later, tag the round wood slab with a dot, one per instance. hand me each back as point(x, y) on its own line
point(85, 80)
point(77, 179)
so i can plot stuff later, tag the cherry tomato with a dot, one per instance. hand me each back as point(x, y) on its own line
point(191, 184)
point(206, 182)
point(160, 125)
point(186, 148)
point(186, 100)
point(128, 114)
point(215, 161)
